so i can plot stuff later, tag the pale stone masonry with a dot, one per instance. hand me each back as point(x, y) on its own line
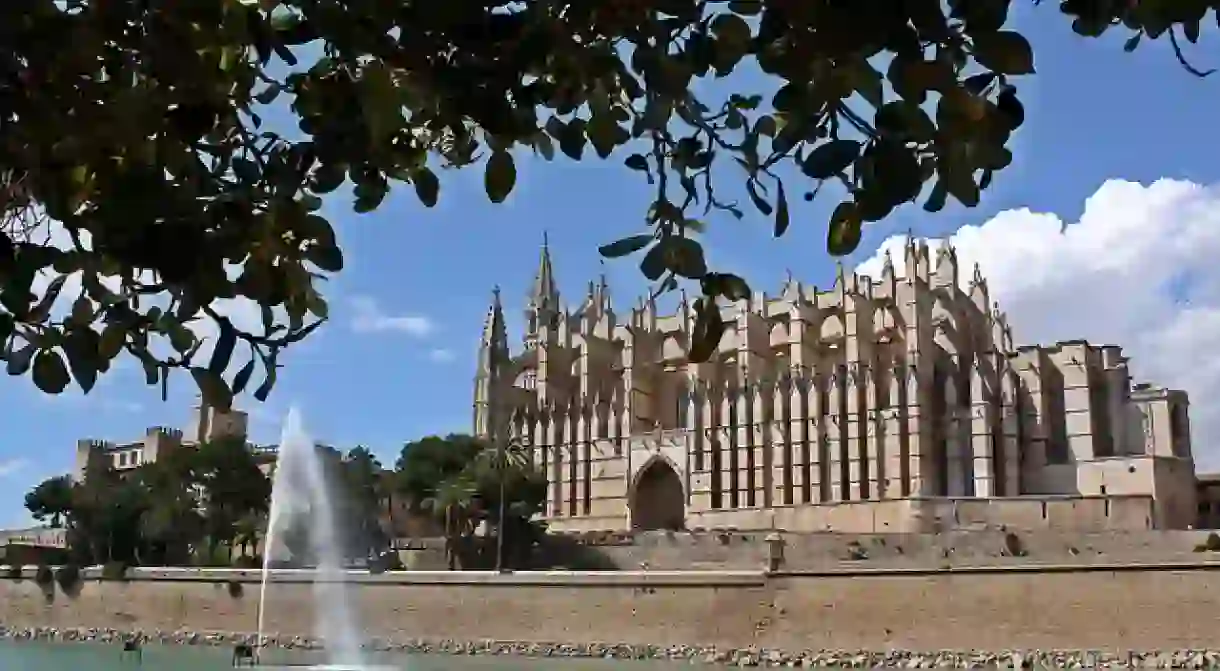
point(858, 408)
point(207, 423)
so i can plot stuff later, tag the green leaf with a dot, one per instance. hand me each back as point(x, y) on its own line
point(18, 361)
point(264, 389)
point(755, 197)
point(500, 176)
point(937, 198)
point(625, 246)
point(42, 310)
point(733, 40)
point(427, 186)
point(605, 135)
point(1004, 52)
point(781, 212)
point(684, 256)
point(369, 195)
point(181, 338)
point(327, 177)
point(653, 263)
point(327, 257)
point(844, 233)
point(382, 115)
point(831, 158)
point(730, 286)
point(709, 329)
point(1010, 106)
point(745, 7)
point(81, 346)
point(636, 162)
point(50, 374)
point(215, 392)
point(269, 94)
point(223, 352)
point(82, 310)
point(572, 139)
point(242, 379)
point(111, 342)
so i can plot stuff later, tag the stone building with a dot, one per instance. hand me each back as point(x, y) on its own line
point(207, 423)
point(1207, 493)
point(895, 403)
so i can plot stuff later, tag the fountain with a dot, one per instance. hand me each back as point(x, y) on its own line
point(300, 495)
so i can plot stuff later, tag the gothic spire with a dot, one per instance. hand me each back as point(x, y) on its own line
point(495, 333)
point(544, 293)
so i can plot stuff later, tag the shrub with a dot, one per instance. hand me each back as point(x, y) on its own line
point(114, 570)
point(44, 576)
point(236, 589)
point(13, 572)
point(69, 578)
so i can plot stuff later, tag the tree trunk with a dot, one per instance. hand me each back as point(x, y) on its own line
point(450, 555)
point(500, 522)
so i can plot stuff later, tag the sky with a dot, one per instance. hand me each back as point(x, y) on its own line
point(1106, 227)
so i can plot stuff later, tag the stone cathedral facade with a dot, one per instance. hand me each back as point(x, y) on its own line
point(895, 403)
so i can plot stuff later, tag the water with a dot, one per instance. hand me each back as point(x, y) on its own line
point(301, 495)
point(93, 657)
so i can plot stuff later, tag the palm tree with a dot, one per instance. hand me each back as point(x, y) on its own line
point(453, 501)
point(509, 459)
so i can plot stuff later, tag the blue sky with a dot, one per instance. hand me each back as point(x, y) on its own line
point(397, 360)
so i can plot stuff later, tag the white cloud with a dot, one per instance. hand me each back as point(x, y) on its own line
point(1140, 269)
point(441, 355)
point(368, 317)
point(12, 466)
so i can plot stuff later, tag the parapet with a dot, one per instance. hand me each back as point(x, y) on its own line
point(93, 444)
point(166, 431)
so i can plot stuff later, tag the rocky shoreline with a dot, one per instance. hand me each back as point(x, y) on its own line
point(739, 657)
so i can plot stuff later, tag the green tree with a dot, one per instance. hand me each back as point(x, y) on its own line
point(423, 464)
point(362, 496)
point(137, 128)
point(51, 500)
point(170, 524)
point(507, 486)
point(465, 482)
point(232, 488)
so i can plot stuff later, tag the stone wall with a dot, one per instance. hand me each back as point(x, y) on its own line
point(711, 550)
point(1095, 607)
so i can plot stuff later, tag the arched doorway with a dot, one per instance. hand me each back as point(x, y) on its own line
point(658, 500)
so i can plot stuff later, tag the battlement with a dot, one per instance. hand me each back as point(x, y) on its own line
point(168, 432)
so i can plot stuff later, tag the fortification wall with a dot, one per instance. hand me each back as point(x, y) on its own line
point(742, 550)
point(1097, 607)
point(736, 550)
point(924, 515)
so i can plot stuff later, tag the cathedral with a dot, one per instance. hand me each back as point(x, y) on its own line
point(897, 403)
